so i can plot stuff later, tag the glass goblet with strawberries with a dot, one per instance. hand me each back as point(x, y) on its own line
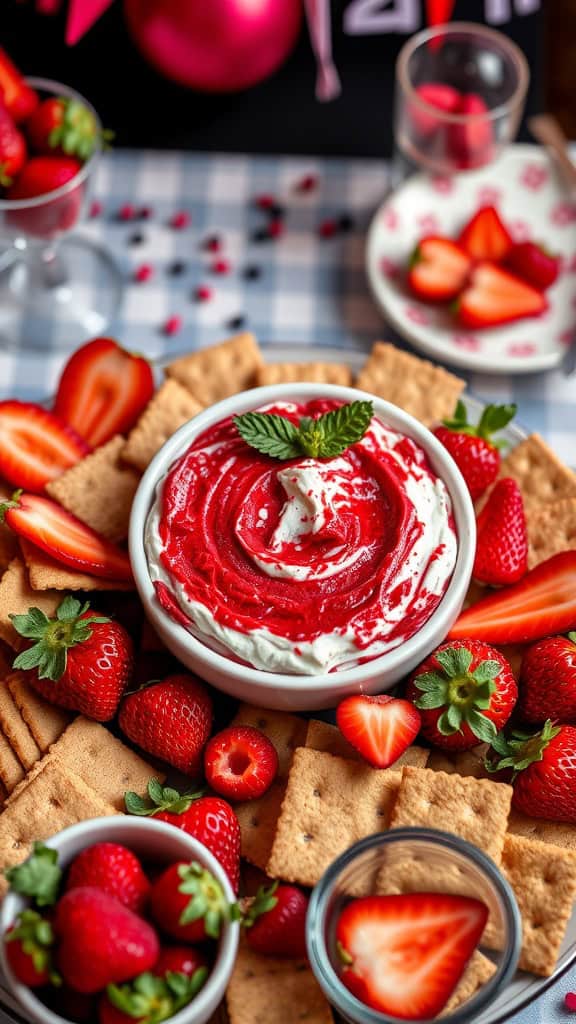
point(460, 91)
point(56, 288)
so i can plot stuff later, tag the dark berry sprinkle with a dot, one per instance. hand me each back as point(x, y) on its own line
point(345, 222)
point(327, 229)
point(277, 211)
point(180, 220)
point(308, 183)
point(145, 212)
point(265, 202)
point(172, 325)
point(261, 235)
point(202, 293)
point(176, 268)
point(235, 323)
point(220, 267)
point(143, 273)
point(252, 273)
point(95, 209)
point(213, 243)
point(126, 212)
point(276, 228)
point(137, 238)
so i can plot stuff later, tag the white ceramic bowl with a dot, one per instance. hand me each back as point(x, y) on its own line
point(300, 692)
point(155, 841)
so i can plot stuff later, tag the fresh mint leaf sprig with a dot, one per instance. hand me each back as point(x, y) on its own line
point(324, 438)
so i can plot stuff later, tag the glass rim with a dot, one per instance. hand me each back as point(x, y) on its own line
point(486, 33)
point(59, 89)
point(328, 979)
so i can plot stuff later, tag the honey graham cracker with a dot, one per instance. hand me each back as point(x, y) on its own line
point(55, 799)
point(169, 409)
point(271, 990)
point(541, 476)
point(99, 490)
point(217, 372)
point(559, 833)
point(478, 972)
point(16, 731)
point(323, 736)
point(330, 803)
point(294, 373)
point(16, 597)
point(475, 809)
point(11, 770)
point(45, 721)
point(45, 573)
point(284, 730)
point(551, 529)
point(422, 389)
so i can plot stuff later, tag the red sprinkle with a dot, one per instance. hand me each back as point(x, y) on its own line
point(143, 273)
point(95, 209)
point(145, 212)
point(203, 293)
point(173, 325)
point(127, 212)
point(327, 229)
point(220, 267)
point(180, 220)
point(570, 1001)
point(276, 228)
point(264, 202)
point(213, 244)
point(308, 183)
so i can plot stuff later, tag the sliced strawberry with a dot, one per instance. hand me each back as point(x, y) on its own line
point(64, 537)
point(35, 446)
point(240, 763)
point(438, 269)
point(404, 955)
point(534, 264)
point(380, 728)
point(19, 97)
point(485, 236)
point(103, 389)
point(470, 143)
point(502, 539)
point(432, 94)
point(541, 604)
point(494, 296)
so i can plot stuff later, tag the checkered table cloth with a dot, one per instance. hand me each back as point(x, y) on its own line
point(311, 291)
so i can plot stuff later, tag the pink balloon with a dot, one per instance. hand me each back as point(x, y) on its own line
point(215, 45)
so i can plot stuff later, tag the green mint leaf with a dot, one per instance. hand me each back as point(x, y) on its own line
point(343, 427)
point(269, 434)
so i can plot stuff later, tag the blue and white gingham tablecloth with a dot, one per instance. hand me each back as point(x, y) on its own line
point(310, 291)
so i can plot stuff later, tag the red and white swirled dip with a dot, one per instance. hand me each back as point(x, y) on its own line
point(307, 566)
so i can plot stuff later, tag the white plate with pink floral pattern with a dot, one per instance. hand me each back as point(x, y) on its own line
point(526, 190)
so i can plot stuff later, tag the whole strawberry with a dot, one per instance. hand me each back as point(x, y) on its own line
point(189, 904)
point(170, 720)
point(100, 941)
point(12, 148)
point(544, 768)
point(548, 680)
point(502, 539)
point(29, 948)
point(209, 819)
point(80, 660)
point(180, 960)
point(63, 127)
point(275, 921)
point(465, 691)
point(179, 975)
point(114, 869)
point(474, 451)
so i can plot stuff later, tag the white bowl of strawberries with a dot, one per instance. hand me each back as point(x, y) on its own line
point(115, 917)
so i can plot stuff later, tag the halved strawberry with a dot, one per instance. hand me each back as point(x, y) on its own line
point(494, 296)
point(103, 389)
point(502, 539)
point(485, 236)
point(380, 728)
point(541, 604)
point(35, 446)
point(64, 537)
point(240, 763)
point(438, 269)
point(533, 263)
point(404, 954)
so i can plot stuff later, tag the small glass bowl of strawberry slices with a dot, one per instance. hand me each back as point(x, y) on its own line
point(56, 288)
point(97, 930)
point(460, 91)
point(413, 924)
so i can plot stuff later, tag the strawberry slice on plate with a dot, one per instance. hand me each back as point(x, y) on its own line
point(494, 296)
point(35, 446)
point(438, 269)
point(485, 236)
point(379, 728)
point(502, 539)
point(61, 535)
point(534, 264)
point(405, 954)
point(541, 604)
point(103, 389)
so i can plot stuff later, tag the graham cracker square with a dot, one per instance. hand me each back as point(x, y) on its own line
point(16, 597)
point(219, 371)
point(551, 529)
point(293, 373)
point(559, 833)
point(329, 804)
point(422, 389)
point(99, 490)
point(55, 799)
point(8, 539)
point(284, 730)
point(461, 762)
point(45, 573)
point(477, 974)
point(258, 820)
point(475, 809)
point(269, 990)
point(539, 473)
point(45, 721)
point(166, 412)
point(11, 770)
point(323, 736)
point(16, 731)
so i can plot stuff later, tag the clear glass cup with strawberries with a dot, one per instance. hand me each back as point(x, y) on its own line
point(460, 91)
point(403, 922)
point(51, 140)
